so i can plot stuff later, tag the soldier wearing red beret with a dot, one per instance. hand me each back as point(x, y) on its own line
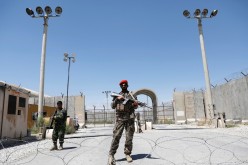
point(124, 120)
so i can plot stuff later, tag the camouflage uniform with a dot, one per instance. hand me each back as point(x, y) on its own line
point(124, 119)
point(59, 126)
point(138, 122)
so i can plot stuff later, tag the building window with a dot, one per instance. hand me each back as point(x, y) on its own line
point(44, 114)
point(12, 105)
point(35, 115)
point(22, 102)
point(19, 112)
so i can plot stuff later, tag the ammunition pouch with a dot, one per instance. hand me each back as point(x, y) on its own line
point(120, 107)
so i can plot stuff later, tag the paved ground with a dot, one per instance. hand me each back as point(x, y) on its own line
point(166, 144)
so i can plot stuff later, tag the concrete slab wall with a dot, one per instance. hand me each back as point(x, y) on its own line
point(199, 105)
point(189, 103)
point(230, 98)
point(179, 107)
point(76, 105)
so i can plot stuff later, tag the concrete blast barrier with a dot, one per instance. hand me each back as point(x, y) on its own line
point(148, 125)
point(49, 133)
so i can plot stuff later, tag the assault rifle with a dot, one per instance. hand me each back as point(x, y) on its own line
point(52, 120)
point(114, 94)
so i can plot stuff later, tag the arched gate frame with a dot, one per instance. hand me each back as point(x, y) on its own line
point(153, 97)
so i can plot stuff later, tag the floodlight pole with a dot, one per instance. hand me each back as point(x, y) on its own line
point(68, 78)
point(206, 72)
point(198, 15)
point(68, 81)
point(42, 68)
point(45, 15)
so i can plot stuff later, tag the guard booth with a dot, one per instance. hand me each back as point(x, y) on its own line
point(13, 111)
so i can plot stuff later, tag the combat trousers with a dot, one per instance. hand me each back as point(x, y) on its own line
point(117, 133)
point(58, 133)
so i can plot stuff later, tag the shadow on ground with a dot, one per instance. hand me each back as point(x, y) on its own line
point(139, 156)
point(9, 142)
point(69, 148)
point(175, 129)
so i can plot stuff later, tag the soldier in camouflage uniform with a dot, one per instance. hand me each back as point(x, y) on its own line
point(59, 118)
point(138, 122)
point(124, 120)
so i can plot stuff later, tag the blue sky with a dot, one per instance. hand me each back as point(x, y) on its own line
point(148, 42)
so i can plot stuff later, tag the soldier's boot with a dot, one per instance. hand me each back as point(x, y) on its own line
point(60, 146)
point(111, 160)
point(129, 158)
point(55, 147)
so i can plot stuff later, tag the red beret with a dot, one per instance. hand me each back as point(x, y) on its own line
point(123, 81)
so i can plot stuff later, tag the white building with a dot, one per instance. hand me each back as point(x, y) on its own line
point(13, 111)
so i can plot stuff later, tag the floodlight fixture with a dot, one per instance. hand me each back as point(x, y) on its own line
point(214, 13)
point(204, 12)
point(39, 10)
point(48, 10)
point(73, 60)
point(197, 12)
point(186, 13)
point(58, 10)
point(73, 57)
point(66, 55)
point(30, 12)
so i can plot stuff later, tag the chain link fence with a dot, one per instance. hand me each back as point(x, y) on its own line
point(101, 116)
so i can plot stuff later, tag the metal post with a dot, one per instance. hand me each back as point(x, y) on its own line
point(107, 101)
point(163, 112)
point(42, 69)
point(106, 92)
point(104, 115)
point(69, 65)
point(94, 115)
point(173, 109)
point(144, 114)
point(66, 57)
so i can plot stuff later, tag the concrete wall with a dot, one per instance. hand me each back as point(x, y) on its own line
point(230, 98)
point(189, 103)
point(76, 105)
point(32, 108)
point(179, 107)
point(199, 104)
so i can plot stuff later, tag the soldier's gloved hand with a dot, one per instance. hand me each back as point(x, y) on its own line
point(135, 104)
